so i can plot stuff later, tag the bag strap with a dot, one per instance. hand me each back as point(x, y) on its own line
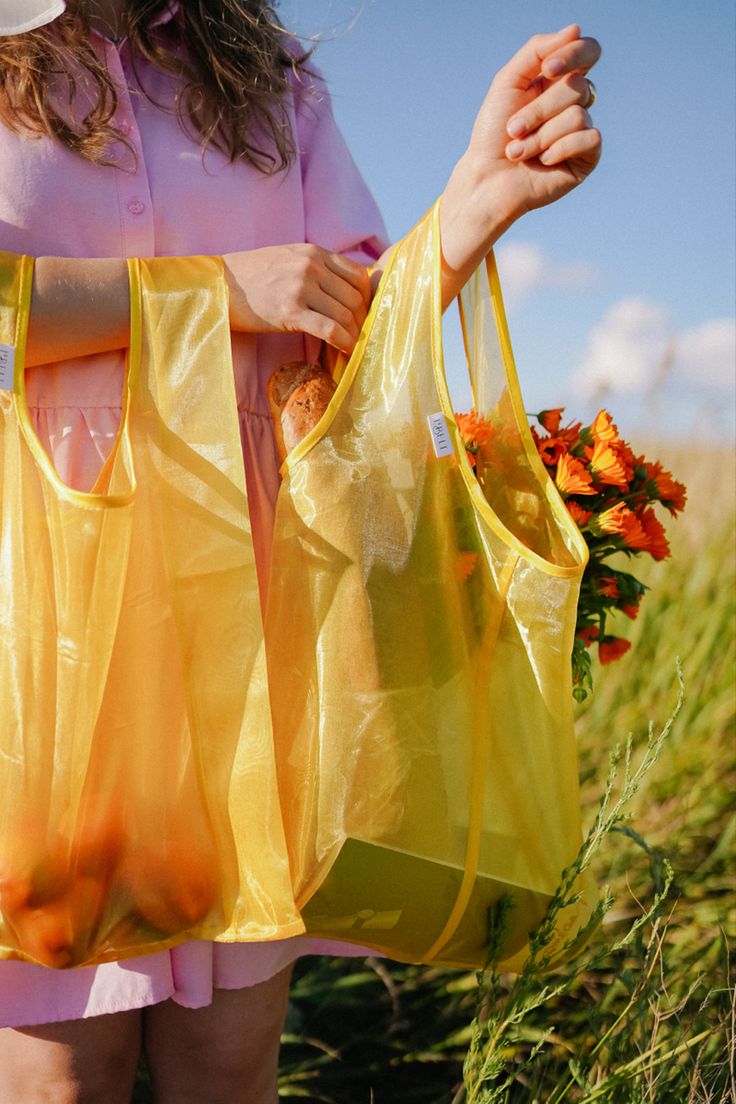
point(16, 280)
point(16, 284)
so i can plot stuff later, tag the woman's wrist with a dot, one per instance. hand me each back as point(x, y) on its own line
point(472, 219)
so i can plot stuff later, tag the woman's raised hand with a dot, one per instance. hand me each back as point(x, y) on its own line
point(298, 288)
point(532, 142)
point(533, 136)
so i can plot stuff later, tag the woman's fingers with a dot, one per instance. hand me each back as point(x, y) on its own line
point(345, 293)
point(342, 296)
point(573, 57)
point(526, 64)
point(354, 273)
point(335, 312)
point(328, 329)
point(570, 91)
point(569, 121)
point(580, 151)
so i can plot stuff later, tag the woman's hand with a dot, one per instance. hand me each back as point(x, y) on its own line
point(298, 288)
point(533, 138)
point(533, 141)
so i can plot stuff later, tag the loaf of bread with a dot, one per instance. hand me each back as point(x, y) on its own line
point(298, 395)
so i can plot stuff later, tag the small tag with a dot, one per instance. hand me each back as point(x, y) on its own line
point(440, 435)
point(7, 367)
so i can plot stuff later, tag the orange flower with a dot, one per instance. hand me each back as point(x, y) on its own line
point(551, 449)
point(611, 648)
point(471, 458)
point(571, 434)
point(631, 610)
point(580, 516)
point(465, 565)
point(474, 429)
point(608, 586)
point(606, 465)
point(611, 520)
point(572, 477)
point(632, 533)
point(603, 429)
point(550, 419)
point(588, 633)
point(657, 544)
point(627, 458)
point(672, 494)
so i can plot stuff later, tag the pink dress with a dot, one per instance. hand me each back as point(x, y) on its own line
point(168, 201)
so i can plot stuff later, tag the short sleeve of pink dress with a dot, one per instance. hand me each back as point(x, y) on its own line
point(166, 199)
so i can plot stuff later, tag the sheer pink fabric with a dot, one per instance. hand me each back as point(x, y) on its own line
point(168, 200)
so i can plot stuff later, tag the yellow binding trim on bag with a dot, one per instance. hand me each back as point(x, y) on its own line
point(87, 499)
point(561, 513)
point(476, 494)
point(479, 764)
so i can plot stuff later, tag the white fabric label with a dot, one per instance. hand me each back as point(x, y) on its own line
point(7, 367)
point(440, 434)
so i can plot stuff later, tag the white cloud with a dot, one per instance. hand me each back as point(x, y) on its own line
point(523, 267)
point(636, 346)
point(707, 353)
point(625, 349)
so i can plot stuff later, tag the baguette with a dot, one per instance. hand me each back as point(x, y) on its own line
point(298, 395)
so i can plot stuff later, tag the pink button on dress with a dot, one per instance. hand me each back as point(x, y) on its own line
point(168, 201)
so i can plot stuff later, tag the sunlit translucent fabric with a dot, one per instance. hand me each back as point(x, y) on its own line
point(139, 801)
point(419, 643)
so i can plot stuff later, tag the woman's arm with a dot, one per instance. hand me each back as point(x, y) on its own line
point(81, 306)
point(532, 142)
point(78, 307)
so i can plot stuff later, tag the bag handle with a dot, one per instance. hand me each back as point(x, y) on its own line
point(481, 306)
point(16, 284)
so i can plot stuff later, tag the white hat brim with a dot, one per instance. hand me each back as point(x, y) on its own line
point(19, 16)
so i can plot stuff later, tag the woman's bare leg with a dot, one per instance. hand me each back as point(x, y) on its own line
point(226, 1053)
point(90, 1061)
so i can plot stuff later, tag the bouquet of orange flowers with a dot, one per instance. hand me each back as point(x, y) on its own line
point(610, 494)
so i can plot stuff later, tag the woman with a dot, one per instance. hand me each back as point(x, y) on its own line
point(200, 128)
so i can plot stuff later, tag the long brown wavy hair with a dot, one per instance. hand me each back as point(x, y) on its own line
point(234, 73)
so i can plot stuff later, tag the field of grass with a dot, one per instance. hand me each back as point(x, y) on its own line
point(649, 1020)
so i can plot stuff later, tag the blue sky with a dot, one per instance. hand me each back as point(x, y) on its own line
point(622, 293)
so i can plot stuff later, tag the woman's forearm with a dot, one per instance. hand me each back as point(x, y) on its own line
point(470, 225)
point(79, 306)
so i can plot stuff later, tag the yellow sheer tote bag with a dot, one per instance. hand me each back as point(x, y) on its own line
point(419, 630)
point(138, 797)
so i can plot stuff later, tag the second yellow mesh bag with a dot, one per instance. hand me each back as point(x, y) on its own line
point(419, 631)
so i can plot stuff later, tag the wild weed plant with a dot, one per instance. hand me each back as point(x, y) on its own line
point(492, 1071)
